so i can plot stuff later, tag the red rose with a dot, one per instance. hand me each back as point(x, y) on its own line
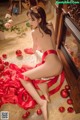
point(4, 56)
point(70, 109)
point(6, 63)
point(1, 61)
point(64, 93)
point(26, 115)
point(61, 109)
point(69, 101)
point(39, 112)
point(1, 67)
point(19, 53)
point(67, 87)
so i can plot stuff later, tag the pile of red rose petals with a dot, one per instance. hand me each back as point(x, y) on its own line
point(12, 92)
point(65, 93)
point(10, 86)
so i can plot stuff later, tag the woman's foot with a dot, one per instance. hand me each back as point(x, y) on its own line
point(44, 110)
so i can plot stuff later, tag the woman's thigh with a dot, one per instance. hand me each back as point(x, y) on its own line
point(39, 72)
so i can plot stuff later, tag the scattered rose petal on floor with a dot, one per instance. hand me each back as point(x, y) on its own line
point(61, 109)
point(67, 87)
point(18, 53)
point(26, 115)
point(64, 93)
point(39, 112)
point(69, 101)
point(70, 109)
point(28, 51)
point(4, 56)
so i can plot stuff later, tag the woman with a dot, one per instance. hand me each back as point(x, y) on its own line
point(43, 35)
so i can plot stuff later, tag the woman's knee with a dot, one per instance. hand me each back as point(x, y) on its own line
point(23, 81)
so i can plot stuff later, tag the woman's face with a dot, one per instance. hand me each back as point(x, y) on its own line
point(34, 22)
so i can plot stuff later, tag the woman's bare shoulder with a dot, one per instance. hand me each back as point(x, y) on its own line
point(35, 34)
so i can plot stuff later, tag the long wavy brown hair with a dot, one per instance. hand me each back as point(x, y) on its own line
point(38, 12)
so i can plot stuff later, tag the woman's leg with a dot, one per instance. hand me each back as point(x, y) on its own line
point(42, 71)
point(35, 73)
point(32, 91)
point(44, 88)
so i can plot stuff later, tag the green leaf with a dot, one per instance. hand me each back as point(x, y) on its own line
point(27, 24)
